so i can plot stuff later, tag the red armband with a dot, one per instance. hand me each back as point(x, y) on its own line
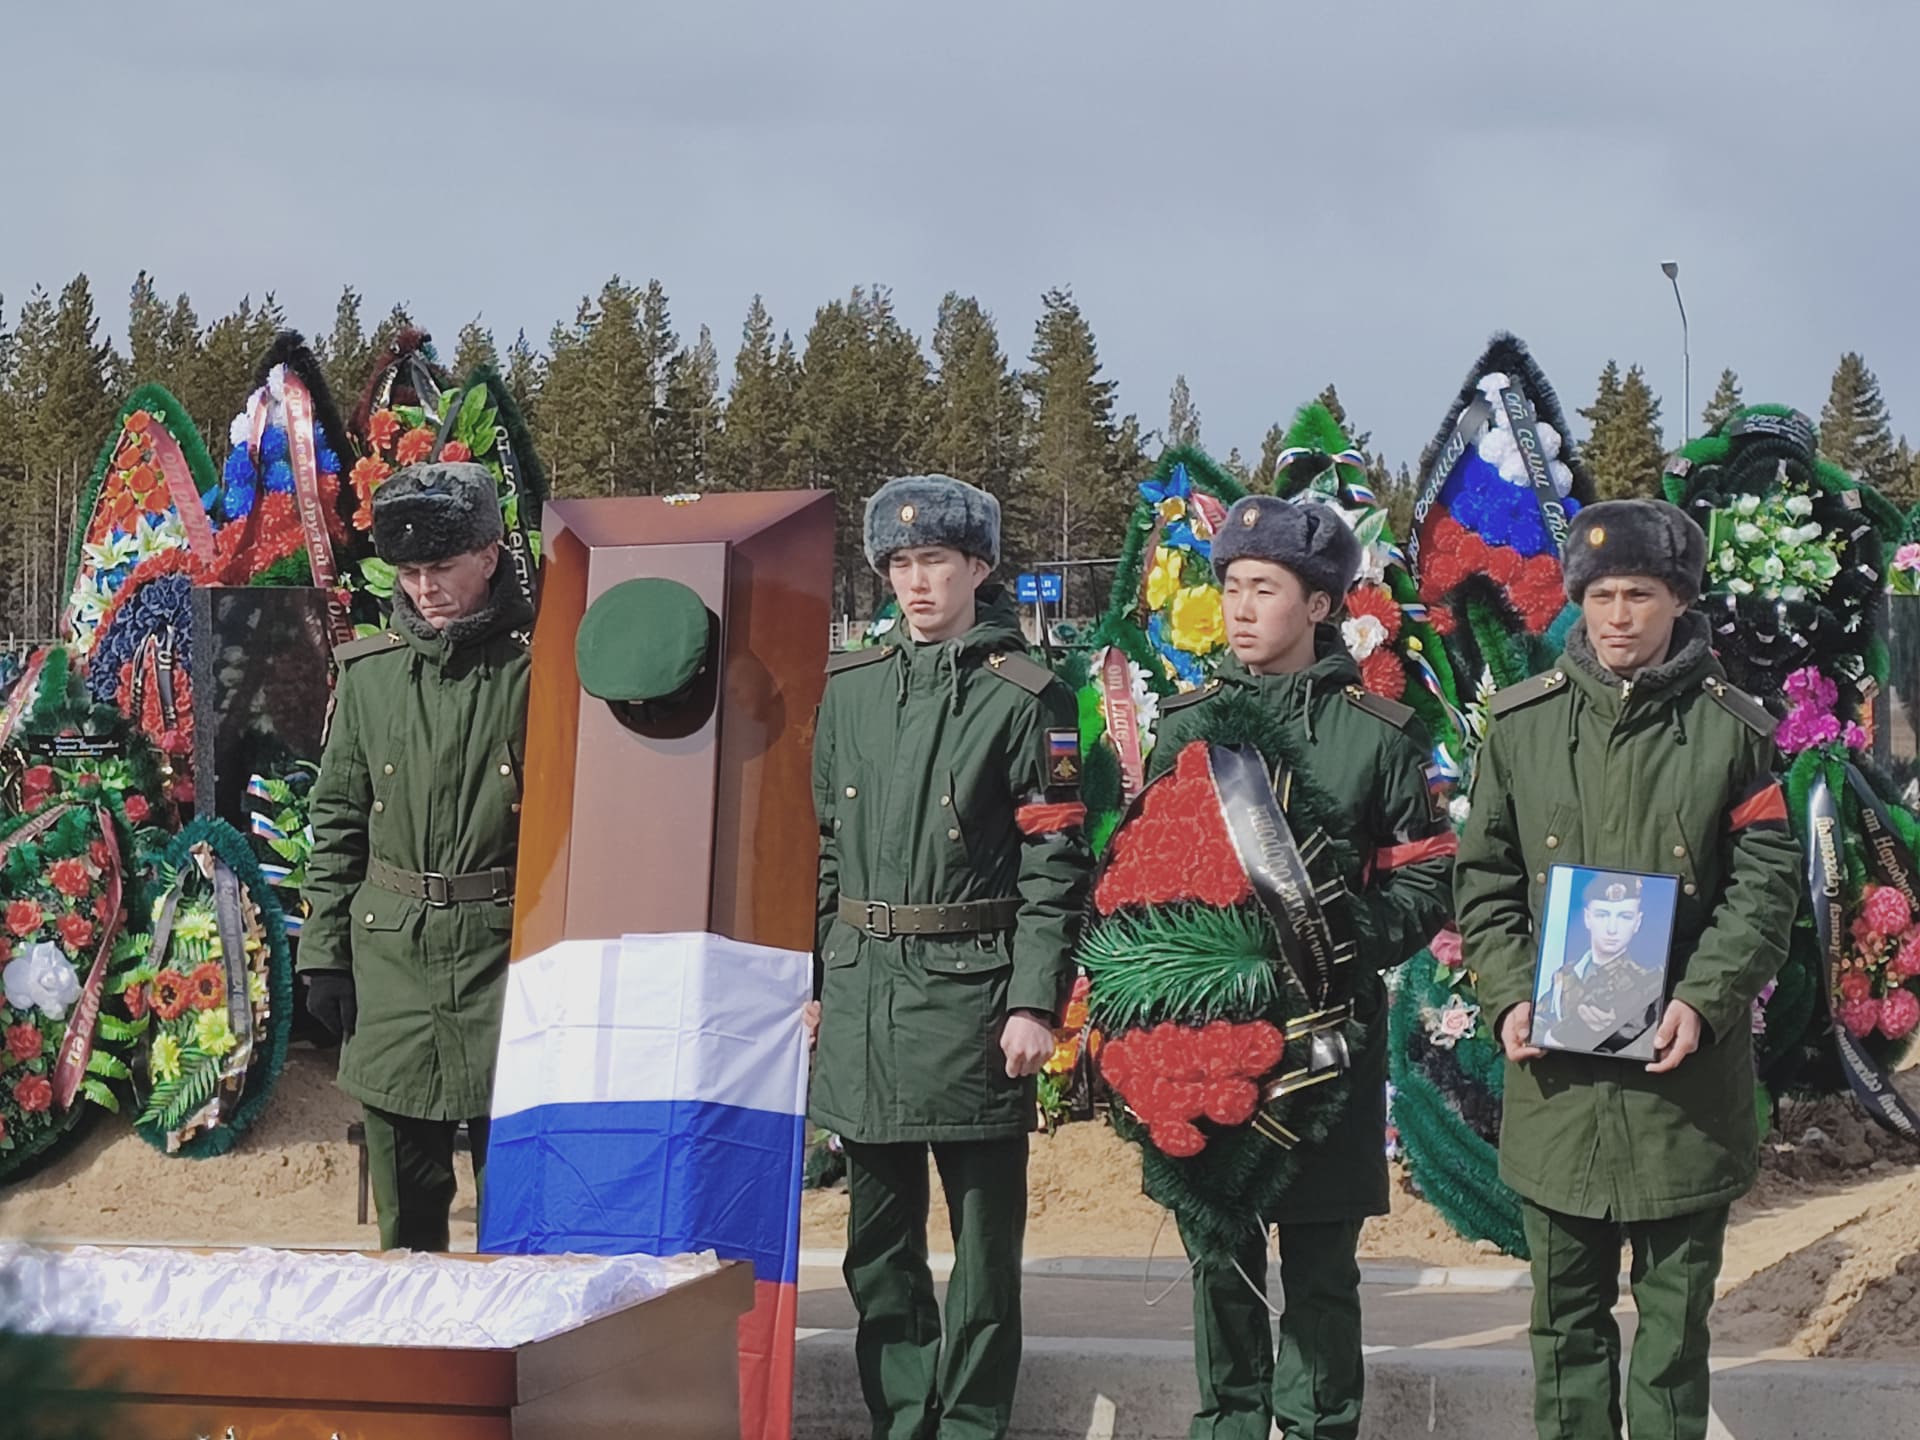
point(1766, 807)
point(1434, 847)
point(1048, 819)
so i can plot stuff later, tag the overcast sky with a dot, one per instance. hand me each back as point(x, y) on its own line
point(1264, 196)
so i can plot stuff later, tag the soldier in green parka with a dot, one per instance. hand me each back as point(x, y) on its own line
point(1286, 569)
point(953, 871)
point(1635, 754)
point(416, 819)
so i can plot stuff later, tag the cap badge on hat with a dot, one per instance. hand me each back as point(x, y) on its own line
point(1597, 536)
point(906, 514)
point(1250, 516)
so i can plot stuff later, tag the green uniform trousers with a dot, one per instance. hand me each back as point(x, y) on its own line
point(1313, 1391)
point(1576, 1344)
point(410, 1167)
point(916, 1388)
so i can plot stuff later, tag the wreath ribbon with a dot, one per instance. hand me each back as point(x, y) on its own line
point(76, 1046)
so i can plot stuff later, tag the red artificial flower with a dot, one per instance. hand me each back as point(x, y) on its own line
point(1176, 847)
point(1854, 985)
point(383, 429)
point(33, 1094)
point(1442, 621)
point(415, 446)
point(1383, 674)
point(1503, 565)
point(76, 932)
point(70, 877)
point(171, 994)
point(207, 987)
point(137, 809)
point(24, 1042)
point(24, 917)
point(368, 476)
point(103, 908)
point(1172, 1075)
point(135, 997)
point(1177, 1138)
point(98, 853)
point(454, 451)
point(87, 779)
point(1375, 601)
point(36, 787)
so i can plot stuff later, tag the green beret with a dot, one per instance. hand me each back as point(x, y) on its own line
point(644, 640)
point(432, 512)
point(1307, 537)
point(1635, 537)
point(931, 510)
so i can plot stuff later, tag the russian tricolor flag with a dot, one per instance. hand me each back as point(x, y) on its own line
point(650, 1098)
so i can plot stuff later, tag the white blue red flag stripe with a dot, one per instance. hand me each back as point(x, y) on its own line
point(650, 1098)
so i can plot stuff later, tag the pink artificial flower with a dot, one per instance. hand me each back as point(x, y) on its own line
point(1906, 960)
point(1855, 737)
point(1907, 557)
point(1854, 985)
point(1807, 686)
point(1886, 910)
point(1899, 1013)
point(1806, 727)
point(1448, 952)
point(1859, 1016)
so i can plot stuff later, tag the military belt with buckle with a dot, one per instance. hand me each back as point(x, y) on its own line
point(883, 921)
point(441, 891)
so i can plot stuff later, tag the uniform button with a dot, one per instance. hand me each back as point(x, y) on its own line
point(516, 807)
point(946, 800)
point(1540, 878)
point(386, 769)
point(1553, 842)
point(836, 822)
point(959, 964)
point(1691, 888)
point(506, 769)
point(953, 834)
point(851, 792)
point(369, 919)
point(829, 954)
point(378, 806)
point(1679, 852)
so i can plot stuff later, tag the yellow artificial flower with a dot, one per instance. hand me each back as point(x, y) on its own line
point(165, 1063)
point(211, 1032)
point(1171, 509)
point(1164, 579)
point(1199, 624)
point(256, 988)
point(195, 923)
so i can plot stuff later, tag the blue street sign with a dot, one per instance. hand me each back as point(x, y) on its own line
point(1026, 588)
point(1051, 589)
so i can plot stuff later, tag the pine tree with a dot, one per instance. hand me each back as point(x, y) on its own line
point(1624, 451)
point(1271, 445)
point(221, 377)
point(1077, 489)
point(975, 416)
point(1183, 416)
point(751, 450)
point(381, 341)
point(1236, 466)
point(474, 348)
point(344, 354)
point(596, 404)
point(1855, 433)
point(1726, 399)
point(526, 372)
point(691, 416)
point(162, 340)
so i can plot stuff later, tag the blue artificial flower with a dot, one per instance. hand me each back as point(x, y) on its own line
point(279, 478)
point(1177, 533)
point(163, 601)
point(239, 486)
point(273, 444)
point(325, 461)
point(1183, 665)
point(1177, 486)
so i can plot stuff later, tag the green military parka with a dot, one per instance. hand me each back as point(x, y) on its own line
point(1669, 773)
point(1367, 760)
point(923, 756)
point(421, 770)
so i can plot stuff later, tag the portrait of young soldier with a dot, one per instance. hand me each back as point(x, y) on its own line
point(1609, 995)
point(1634, 754)
point(1286, 569)
point(416, 818)
point(953, 873)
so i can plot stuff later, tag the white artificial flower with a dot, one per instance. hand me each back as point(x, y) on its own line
point(1773, 568)
point(1146, 703)
point(1491, 384)
point(1740, 587)
point(112, 552)
point(41, 979)
point(1364, 634)
point(1799, 506)
point(1806, 534)
point(240, 432)
point(1549, 438)
point(1562, 479)
point(153, 540)
point(1458, 809)
point(277, 382)
point(1793, 592)
point(1747, 533)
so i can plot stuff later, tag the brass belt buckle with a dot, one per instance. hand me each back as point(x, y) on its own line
point(439, 890)
point(879, 921)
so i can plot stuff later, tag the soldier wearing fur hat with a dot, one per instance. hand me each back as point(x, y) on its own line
point(1286, 568)
point(952, 876)
point(415, 822)
point(1634, 755)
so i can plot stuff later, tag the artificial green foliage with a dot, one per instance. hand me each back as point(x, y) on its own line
point(1188, 962)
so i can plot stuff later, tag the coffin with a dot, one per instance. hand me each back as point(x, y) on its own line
point(658, 1366)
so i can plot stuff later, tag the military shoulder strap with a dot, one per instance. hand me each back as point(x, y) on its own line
point(1392, 711)
point(1742, 706)
point(1537, 687)
point(853, 659)
point(1190, 697)
point(1030, 675)
point(369, 645)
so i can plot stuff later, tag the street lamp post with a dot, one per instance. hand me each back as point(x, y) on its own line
point(1671, 269)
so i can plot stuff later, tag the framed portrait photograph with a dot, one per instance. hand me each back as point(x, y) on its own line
point(1600, 982)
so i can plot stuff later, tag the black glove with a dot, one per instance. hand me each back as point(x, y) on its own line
point(331, 1000)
